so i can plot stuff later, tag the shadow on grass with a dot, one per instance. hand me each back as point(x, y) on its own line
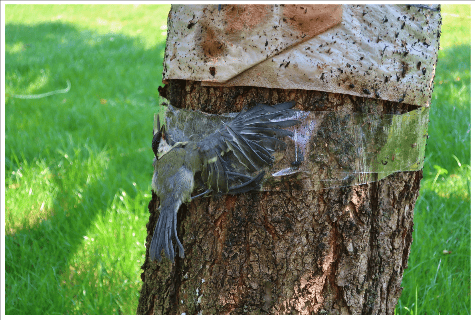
point(114, 80)
point(112, 77)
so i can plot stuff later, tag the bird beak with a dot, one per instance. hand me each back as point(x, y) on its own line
point(156, 123)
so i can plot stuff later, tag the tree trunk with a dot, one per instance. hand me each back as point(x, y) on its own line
point(332, 251)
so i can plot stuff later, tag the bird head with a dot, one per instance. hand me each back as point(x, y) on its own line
point(160, 142)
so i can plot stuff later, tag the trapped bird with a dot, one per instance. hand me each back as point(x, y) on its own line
point(219, 163)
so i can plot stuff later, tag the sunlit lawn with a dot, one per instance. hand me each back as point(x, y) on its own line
point(437, 280)
point(78, 164)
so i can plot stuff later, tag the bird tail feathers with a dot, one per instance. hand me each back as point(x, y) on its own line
point(165, 231)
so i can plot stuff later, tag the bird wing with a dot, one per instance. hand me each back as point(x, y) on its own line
point(247, 141)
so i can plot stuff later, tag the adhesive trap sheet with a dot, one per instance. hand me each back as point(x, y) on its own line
point(327, 149)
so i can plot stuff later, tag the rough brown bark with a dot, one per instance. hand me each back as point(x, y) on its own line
point(333, 251)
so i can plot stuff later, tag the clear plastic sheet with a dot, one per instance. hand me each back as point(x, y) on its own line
point(328, 149)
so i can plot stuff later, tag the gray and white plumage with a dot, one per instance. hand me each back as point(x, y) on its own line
point(220, 162)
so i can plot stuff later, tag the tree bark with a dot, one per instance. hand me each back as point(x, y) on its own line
point(332, 251)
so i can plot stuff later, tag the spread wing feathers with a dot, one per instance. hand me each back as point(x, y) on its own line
point(249, 185)
point(216, 175)
point(257, 113)
point(165, 231)
point(220, 176)
point(252, 137)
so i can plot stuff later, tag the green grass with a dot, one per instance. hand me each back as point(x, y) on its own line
point(437, 280)
point(78, 165)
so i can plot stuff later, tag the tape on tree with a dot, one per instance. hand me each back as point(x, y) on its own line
point(328, 149)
